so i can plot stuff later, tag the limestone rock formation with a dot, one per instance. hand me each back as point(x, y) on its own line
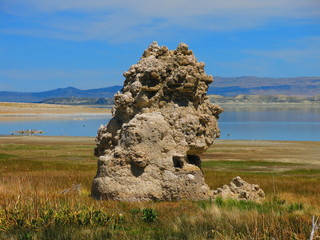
point(162, 120)
point(240, 190)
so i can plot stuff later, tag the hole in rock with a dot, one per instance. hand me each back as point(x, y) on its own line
point(177, 161)
point(151, 94)
point(136, 170)
point(194, 159)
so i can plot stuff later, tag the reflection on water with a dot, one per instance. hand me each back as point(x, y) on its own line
point(301, 123)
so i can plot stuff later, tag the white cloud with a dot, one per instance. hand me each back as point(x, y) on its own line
point(301, 57)
point(169, 8)
point(307, 51)
point(287, 54)
point(40, 74)
point(125, 20)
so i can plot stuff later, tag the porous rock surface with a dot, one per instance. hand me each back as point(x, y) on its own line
point(162, 120)
point(240, 190)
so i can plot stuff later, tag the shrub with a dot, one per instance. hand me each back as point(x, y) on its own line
point(149, 215)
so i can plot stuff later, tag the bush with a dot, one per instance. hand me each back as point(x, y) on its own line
point(149, 215)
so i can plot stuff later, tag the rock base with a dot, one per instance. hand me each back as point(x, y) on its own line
point(240, 190)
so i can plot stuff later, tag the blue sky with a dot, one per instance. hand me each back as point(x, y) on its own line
point(89, 44)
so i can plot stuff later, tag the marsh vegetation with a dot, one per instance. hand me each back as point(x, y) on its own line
point(36, 171)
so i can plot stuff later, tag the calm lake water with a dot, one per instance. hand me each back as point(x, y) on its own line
point(294, 123)
point(300, 123)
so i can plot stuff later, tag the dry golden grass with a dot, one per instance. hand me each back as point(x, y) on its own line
point(36, 169)
point(273, 151)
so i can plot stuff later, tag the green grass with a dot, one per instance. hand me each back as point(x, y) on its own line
point(243, 164)
point(6, 156)
point(28, 165)
point(13, 147)
point(305, 172)
point(202, 220)
point(273, 205)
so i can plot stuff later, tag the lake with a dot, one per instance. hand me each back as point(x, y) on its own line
point(292, 123)
point(299, 123)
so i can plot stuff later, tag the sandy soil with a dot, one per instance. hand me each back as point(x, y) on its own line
point(8, 108)
point(12, 110)
point(45, 140)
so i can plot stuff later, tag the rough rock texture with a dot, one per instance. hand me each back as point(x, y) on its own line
point(240, 190)
point(162, 120)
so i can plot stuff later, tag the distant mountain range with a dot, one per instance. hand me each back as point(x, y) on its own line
point(78, 101)
point(300, 86)
point(68, 92)
point(254, 99)
point(233, 86)
point(217, 99)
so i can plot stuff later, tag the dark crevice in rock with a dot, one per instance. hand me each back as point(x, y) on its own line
point(194, 159)
point(136, 170)
point(178, 161)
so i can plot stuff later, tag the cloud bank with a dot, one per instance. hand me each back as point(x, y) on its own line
point(125, 20)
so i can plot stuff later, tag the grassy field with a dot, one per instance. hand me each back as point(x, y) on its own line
point(45, 194)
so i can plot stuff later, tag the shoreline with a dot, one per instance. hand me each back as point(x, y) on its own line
point(51, 114)
point(16, 109)
point(37, 109)
point(265, 104)
point(43, 116)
